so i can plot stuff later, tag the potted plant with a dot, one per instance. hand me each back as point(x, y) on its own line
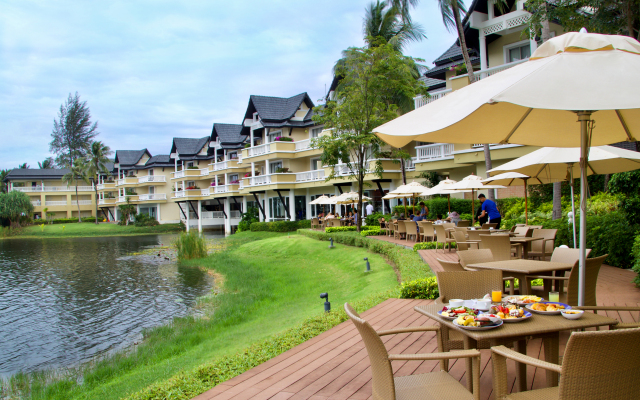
point(283, 139)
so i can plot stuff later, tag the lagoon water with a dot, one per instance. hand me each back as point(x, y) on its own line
point(66, 301)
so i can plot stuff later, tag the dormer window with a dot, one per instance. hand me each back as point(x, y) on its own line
point(256, 117)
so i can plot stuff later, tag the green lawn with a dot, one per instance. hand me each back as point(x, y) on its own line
point(269, 285)
point(86, 229)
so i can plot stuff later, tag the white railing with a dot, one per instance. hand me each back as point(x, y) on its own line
point(235, 214)
point(35, 203)
point(239, 158)
point(120, 182)
point(494, 70)
point(241, 184)
point(55, 203)
point(179, 174)
point(82, 202)
point(436, 151)
point(53, 189)
point(204, 171)
point(152, 196)
point(211, 214)
point(220, 165)
point(342, 170)
point(151, 178)
point(316, 175)
point(179, 194)
point(104, 201)
point(303, 145)
point(409, 165)
point(259, 150)
point(221, 189)
point(421, 100)
point(261, 180)
point(122, 199)
point(204, 192)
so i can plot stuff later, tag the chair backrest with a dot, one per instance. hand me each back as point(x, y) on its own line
point(459, 236)
point(592, 269)
point(411, 227)
point(536, 246)
point(474, 257)
point(449, 225)
point(461, 229)
point(601, 365)
point(451, 266)
point(474, 235)
point(489, 226)
point(381, 371)
point(426, 228)
point(464, 223)
point(523, 231)
point(499, 245)
point(401, 227)
point(440, 233)
point(468, 284)
point(567, 255)
point(534, 226)
point(391, 226)
point(314, 221)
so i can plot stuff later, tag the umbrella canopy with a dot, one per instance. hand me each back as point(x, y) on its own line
point(472, 182)
point(537, 102)
point(412, 190)
point(319, 200)
point(350, 198)
point(514, 179)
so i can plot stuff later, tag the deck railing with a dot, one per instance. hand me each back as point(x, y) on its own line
point(82, 202)
point(303, 145)
point(437, 151)
point(151, 178)
point(55, 203)
point(32, 189)
point(152, 196)
point(308, 176)
point(259, 150)
point(261, 180)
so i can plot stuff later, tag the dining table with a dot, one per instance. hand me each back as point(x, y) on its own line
point(546, 327)
point(519, 269)
point(526, 243)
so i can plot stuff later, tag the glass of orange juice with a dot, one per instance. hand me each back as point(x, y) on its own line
point(496, 296)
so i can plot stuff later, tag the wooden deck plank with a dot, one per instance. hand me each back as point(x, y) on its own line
point(335, 364)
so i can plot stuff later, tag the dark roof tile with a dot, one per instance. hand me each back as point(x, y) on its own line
point(188, 146)
point(130, 157)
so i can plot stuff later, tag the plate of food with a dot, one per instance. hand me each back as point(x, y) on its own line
point(548, 308)
point(510, 313)
point(455, 312)
point(522, 300)
point(478, 323)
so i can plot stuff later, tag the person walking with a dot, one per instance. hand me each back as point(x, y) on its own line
point(490, 209)
point(369, 209)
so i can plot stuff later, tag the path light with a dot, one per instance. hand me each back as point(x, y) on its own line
point(327, 305)
point(331, 246)
point(368, 265)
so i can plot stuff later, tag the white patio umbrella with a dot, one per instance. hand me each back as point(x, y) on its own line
point(409, 190)
point(513, 179)
point(539, 102)
point(472, 182)
point(322, 200)
point(443, 188)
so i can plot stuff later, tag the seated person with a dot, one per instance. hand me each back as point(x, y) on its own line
point(321, 215)
point(329, 215)
point(453, 217)
point(439, 221)
point(395, 216)
point(422, 214)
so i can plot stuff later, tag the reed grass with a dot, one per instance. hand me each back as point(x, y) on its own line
point(190, 246)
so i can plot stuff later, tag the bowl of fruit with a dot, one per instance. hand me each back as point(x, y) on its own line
point(572, 314)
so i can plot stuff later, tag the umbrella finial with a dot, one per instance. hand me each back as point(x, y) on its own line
point(583, 30)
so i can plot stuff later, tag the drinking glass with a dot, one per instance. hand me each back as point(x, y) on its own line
point(554, 297)
point(496, 296)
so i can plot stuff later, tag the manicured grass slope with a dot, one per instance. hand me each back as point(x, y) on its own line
point(269, 285)
point(88, 229)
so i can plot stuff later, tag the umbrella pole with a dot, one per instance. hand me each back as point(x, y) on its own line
point(573, 207)
point(404, 201)
point(526, 205)
point(583, 117)
point(473, 210)
point(449, 202)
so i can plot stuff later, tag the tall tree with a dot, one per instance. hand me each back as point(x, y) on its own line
point(96, 165)
point(46, 164)
point(76, 173)
point(13, 205)
point(386, 21)
point(23, 166)
point(372, 78)
point(3, 185)
point(73, 132)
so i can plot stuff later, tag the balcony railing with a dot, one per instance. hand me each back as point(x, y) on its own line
point(259, 150)
point(179, 194)
point(107, 185)
point(235, 214)
point(35, 203)
point(55, 203)
point(82, 202)
point(421, 100)
point(179, 174)
point(151, 178)
point(432, 152)
point(210, 214)
point(239, 158)
point(152, 196)
point(241, 184)
point(204, 192)
point(261, 180)
point(309, 176)
point(106, 201)
point(494, 70)
point(409, 165)
point(220, 165)
point(303, 145)
point(32, 189)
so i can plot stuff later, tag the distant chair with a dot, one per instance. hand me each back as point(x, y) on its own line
point(427, 230)
point(391, 228)
point(412, 230)
point(474, 235)
point(500, 246)
point(489, 226)
point(483, 256)
point(441, 237)
point(461, 241)
point(543, 248)
point(534, 226)
point(383, 225)
point(464, 223)
point(448, 225)
point(523, 231)
point(401, 232)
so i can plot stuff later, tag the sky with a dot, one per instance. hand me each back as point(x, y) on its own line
point(153, 70)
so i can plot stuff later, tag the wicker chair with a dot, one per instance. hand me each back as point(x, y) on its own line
point(411, 230)
point(461, 241)
point(542, 248)
point(474, 234)
point(391, 228)
point(426, 230)
point(482, 256)
point(621, 325)
point(448, 225)
point(441, 237)
point(401, 232)
point(315, 224)
point(439, 385)
point(596, 365)
point(567, 256)
point(464, 223)
point(500, 246)
point(534, 226)
point(489, 226)
point(450, 266)
point(383, 225)
point(592, 268)
point(523, 231)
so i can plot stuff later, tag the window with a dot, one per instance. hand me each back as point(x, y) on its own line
point(233, 155)
point(315, 164)
point(273, 135)
point(315, 132)
point(517, 51)
point(256, 118)
point(151, 172)
point(152, 189)
point(274, 166)
point(233, 178)
point(190, 164)
point(276, 208)
point(191, 184)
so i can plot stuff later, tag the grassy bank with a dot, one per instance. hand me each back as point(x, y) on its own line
point(88, 229)
point(271, 284)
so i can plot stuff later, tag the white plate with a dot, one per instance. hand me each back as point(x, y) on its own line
point(449, 318)
point(478, 328)
point(566, 307)
point(527, 315)
point(506, 300)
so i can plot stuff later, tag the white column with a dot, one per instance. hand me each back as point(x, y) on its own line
point(227, 221)
point(307, 199)
point(266, 168)
point(226, 178)
point(533, 44)
point(491, 13)
point(267, 211)
point(224, 155)
point(251, 137)
point(244, 204)
point(292, 205)
point(200, 216)
point(483, 53)
point(187, 214)
point(253, 172)
point(158, 206)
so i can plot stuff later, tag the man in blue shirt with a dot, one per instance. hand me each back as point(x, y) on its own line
point(489, 209)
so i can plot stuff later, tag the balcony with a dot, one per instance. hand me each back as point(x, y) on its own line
point(127, 180)
point(152, 179)
point(190, 173)
point(107, 202)
point(260, 180)
point(208, 215)
point(239, 157)
point(131, 197)
point(222, 165)
point(303, 145)
point(422, 101)
point(106, 185)
point(49, 203)
point(34, 189)
point(191, 193)
point(259, 150)
point(35, 203)
point(225, 188)
point(310, 176)
point(274, 147)
point(152, 196)
point(488, 24)
point(434, 152)
point(81, 202)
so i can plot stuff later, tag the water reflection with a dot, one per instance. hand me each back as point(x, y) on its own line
point(63, 301)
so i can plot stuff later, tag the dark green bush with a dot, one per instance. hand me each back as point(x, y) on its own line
point(332, 229)
point(190, 245)
point(247, 219)
point(636, 259)
point(431, 246)
point(74, 220)
point(280, 226)
point(439, 206)
point(426, 288)
point(145, 220)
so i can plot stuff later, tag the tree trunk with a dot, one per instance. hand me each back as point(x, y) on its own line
point(606, 182)
point(95, 189)
point(404, 172)
point(463, 41)
point(545, 31)
point(488, 166)
point(78, 203)
point(557, 201)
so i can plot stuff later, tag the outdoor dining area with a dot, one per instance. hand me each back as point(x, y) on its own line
point(334, 217)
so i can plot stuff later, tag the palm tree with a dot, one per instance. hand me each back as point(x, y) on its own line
point(23, 166)
point(386, 21)
point(96, 165)
point(3, 185)
point(46, 164)
point(76, 173)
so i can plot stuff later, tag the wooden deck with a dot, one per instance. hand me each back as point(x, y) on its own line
point(334, 365)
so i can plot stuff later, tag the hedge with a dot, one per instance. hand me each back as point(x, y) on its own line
point(280, 226)
point(440, 206)
point(332, 229)
point(431, 246)
point(636, 256)
point(189, 384)
point(426, 288)
point(409, 263)
point(68, 220)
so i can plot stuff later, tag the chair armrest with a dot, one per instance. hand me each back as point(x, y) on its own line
point(437, 356)
point(409, 329)
point(508, 278)
point(553, 278)
point(521, 358)
point(607, 308)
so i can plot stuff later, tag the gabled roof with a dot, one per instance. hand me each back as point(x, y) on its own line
point(130, 157)
point(161, 160)
point(188, 146)
point(432, 83)
point(51, 173)
point(277, 109)
point(229, 134)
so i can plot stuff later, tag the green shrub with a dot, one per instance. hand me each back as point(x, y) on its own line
point(332, 229)
point(431, 246)
point(247, 219)
point(280, 226)
point(426, 288)
point(636, 260)
point(190, 245)
point(144, 220)
point(371, 231)
point(439, 206)
point(409, 264)
point(74, 220)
